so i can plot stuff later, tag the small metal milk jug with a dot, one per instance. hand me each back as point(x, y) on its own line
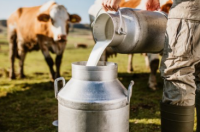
point(93, 100)
point(131, 30)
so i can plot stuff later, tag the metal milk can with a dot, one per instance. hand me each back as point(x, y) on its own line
point(131, 30)
point(93, 100)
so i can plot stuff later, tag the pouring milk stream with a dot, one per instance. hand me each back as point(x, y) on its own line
point(96, 53)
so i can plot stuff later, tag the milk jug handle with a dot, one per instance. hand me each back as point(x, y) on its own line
point(130, 87)
point(56, 85)
point(120, 30)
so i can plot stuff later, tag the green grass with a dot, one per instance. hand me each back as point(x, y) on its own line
point(28, 105)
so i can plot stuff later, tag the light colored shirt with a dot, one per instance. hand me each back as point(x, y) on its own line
point(186, 9)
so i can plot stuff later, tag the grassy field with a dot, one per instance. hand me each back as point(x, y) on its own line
point(29, 105)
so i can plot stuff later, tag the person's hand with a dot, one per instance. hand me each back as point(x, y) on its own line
point(110, 5)
point(152, 5)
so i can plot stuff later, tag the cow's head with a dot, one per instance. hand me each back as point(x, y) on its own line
point(57, 18)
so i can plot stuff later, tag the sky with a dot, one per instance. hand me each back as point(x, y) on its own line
point(80, 7)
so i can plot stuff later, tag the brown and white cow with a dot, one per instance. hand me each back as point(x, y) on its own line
point(42, 27)
point(152, 60)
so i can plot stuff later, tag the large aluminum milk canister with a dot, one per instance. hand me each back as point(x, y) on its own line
point(93, 100)
point(131, 30)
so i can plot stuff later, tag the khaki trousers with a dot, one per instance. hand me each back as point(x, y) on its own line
point(180, 65)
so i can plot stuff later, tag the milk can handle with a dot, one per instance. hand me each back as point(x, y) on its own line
point(56, 85)
point(120, 30)
point(130, 87)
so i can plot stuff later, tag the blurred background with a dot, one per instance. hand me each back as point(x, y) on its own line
point(73, 6)
point(29, 105)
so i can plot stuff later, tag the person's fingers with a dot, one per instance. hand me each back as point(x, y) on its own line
point(114, 5)
point(107, 8)
point(104, 8)
point(109, 5)
point(147, 6)
point(116, 8)
point(104, 2)
point(110, 8)
point(158, 7)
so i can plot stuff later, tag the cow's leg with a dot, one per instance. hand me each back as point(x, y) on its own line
point(12, 60)
point(12, 52)
point(49, 61)
point(22, 55)
point(130, 63)
point(154, 63)
point(146, 61)
point(58, 63)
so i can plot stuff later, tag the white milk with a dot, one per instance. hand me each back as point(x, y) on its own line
point(96, 53)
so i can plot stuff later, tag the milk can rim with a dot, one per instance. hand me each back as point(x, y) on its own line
point(102, 15)
point(82, 65)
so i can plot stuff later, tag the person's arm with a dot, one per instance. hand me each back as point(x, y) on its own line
point(113, 5)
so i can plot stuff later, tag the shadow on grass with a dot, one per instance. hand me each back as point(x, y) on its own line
point(31, 110)
point(35, 108)
point(140, 127)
